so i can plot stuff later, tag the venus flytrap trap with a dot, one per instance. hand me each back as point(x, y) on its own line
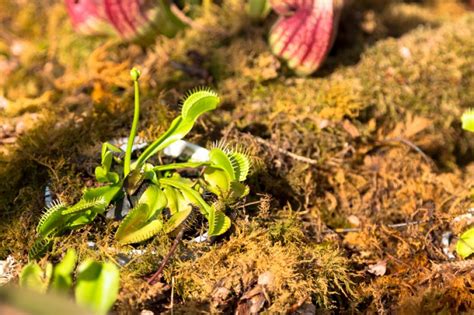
point(152, 189)
point(304, 32)
point(132, 20)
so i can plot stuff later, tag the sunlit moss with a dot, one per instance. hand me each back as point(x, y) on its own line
point(298, 269)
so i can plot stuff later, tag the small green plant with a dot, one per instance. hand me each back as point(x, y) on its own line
point(97, 283)
point(155, 187)
point(465, 244)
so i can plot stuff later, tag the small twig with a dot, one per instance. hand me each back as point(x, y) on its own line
point(172, 296)
point(48, 166)
point(186, 20)
point(413, 147)
point(285, 152)
point(225, 133)
point(464, 265)
point(249, 204)
point(157, 274)
point(394, 226)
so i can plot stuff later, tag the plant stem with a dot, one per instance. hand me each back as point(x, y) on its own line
point(258, 9)
point(136, 115)
point(157, 274)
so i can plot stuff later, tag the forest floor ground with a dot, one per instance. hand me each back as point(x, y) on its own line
point(361, 170)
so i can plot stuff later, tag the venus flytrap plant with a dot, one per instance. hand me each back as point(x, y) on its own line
point(304, 32)
point(135, 20)
point(88, 17)
point(159, 187)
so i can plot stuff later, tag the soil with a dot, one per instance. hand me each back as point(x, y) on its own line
point(361, 174)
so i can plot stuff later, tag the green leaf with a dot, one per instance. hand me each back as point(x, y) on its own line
point(218, 180)
point(39, 248)
point(94, 201)
point(468, 120)
point(198, 102)
point(108, 192)
point(135, 219)
point(76, 220)
point(172, 199)
point(105, 193)
point(177, 219)
point(189, 193)
point(33, 277)
point(175, 166)
point(166, 22)
point(62, 272)
point(258, 9)
point(97, 285)
point(177, 202)
point(150, 174)
point(106, 147)
point(107, 161)
point(240, 163)
point(113, 177)
point(133, 181)
point(141, 222)
point(104, 176)
point(220, 159)
point(137, 227)
point(465, 244)
point(238, 190)
point(145, 232)
point(236, 164)
point(52, 219)
point(175, 132)
point(102, 173)
point(84, 205)
point(226, 172)
point(154, 198)
point(219, 223)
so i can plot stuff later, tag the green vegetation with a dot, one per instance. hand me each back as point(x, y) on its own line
point(96, 288)
point(165, 188)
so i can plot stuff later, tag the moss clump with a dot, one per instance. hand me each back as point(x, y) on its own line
point(296, 270)
point(427, 73)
